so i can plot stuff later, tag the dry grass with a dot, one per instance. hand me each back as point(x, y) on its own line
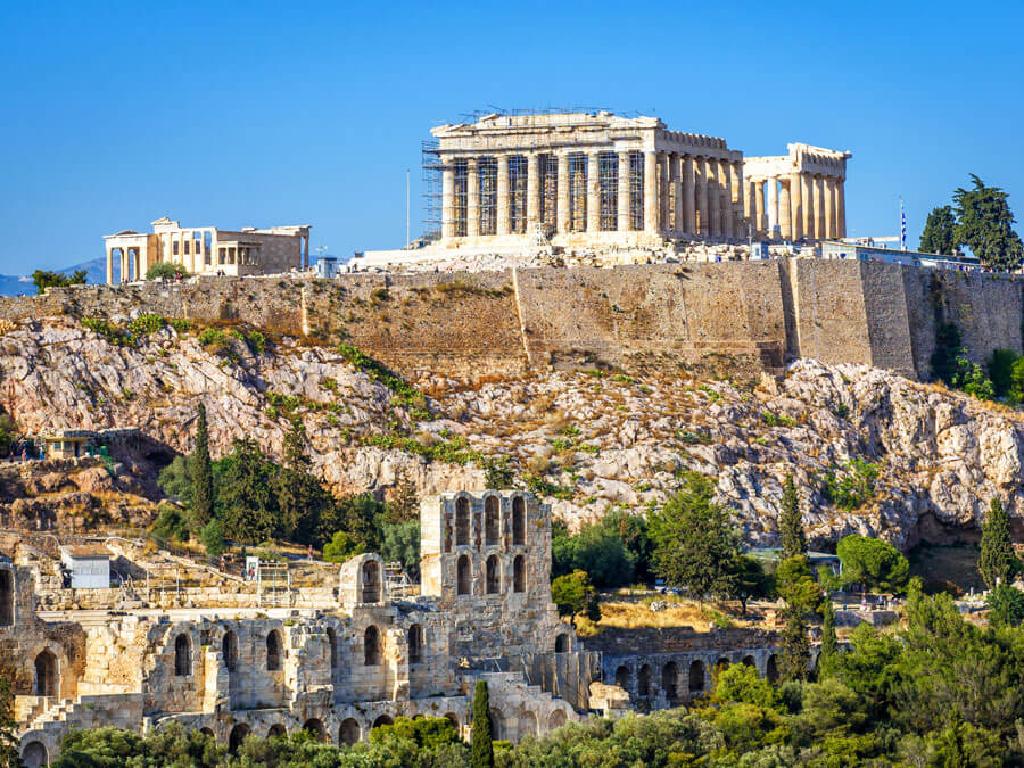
point(679, 613)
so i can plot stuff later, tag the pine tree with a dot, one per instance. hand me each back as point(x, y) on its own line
point(796, 647)
point(791, 525)
point(481, 746)
point(827, 654)
point(998, 563)
point(984, 223)
point(937, 236)
point(201, 474)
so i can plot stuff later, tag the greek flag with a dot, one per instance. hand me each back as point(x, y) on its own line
point(903, 227)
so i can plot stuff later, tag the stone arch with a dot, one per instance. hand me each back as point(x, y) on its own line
point(208, 732)
point(462, 522)
point(695, 684)
point(382, 720)
point(371, 582)
point(277, 731)
point(561, 642)
point(556, 719)
point(415, 644)
point(497, 720)
point(229, 649)
point(275, 647)
point(371, 646)
point(670, 681)
point(454, 719)
point(748, 661)
point(722, 663)
point(463, 576)
point(492, 527)
point(183, 656)
point(493, 575)
point(772, 668)
point(7, 596)
point(314, 726)
point(527, 723)
point(237, 736)
point(46, 674)
point(519, 574)
point(643, 681)
point(518, 520)
point(332, 647)
point(35, 755)
point(348, 731)
point(622, 677)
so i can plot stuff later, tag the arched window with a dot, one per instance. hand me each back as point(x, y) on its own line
point(415, 641)
point(462, 522)
point(274, 647)
point(229, 649)
point(237, 736)
point(696, 681)
point(519, 574)
point(491, 521)
point(277, 731)
point(182, 656)
point(47, 677)
point(670, 681)
point(332, 647)
point(722, 663)
point(622, 677)
point(371, 581)
point(772, 668)
point(518, 520)
point(643, 681)
point(453, 719)
point(371, 647)
point(561, 643)
point(748, 661)
point(348, 733)
point(314, 728)
point(6, 597)
point(493, 577)
point(35, 755)
point(556, 719)
point(382, 720)
point(464, 576)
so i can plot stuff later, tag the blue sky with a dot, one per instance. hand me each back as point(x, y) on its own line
point(234, 114)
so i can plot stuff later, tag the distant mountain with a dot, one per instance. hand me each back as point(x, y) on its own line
point(14, 285)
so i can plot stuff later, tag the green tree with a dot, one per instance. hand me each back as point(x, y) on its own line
point(341, 547)
point(985, 225)
point(8, 726)
point(795, 655)
point(201, 474)
point(43, 279)
point(791, 523)
point(165, 270)
point(400, 542)
point(937, 236)
point(741, 684)
point(574, 594)
point(8, 433)
point(481, 747)
point(632, 529)
point(170, 525)
point(175, 480)
point(948, 349)
point(1005, 606)
point(752, 581)
point(827, 651)
point(795, 584)
point(695, 543)
point(1015, 392)
point(212, 537)
point(998, 563)
point(873, 563)
point(1000, 370)
point(246, 502)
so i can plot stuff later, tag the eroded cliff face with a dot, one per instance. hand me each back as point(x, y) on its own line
point(592, 441)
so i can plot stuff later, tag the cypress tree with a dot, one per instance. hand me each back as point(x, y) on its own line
point(481, 746)
point(827, 655)
point(796, 647)
point(998, 564)
point(201, 474)
point(791, 525)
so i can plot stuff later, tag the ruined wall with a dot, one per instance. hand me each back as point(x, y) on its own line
point(732, 318)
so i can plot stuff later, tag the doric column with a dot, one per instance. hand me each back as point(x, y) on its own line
point(841, 207)
point(532, 191)
point(750, 204)
point(678, 217)
point(593, 191)
point(447, 199)
point(736, 177)
point(473, 197)
point(125, 271)
point(503, 221)
point(785, 211)
point(796, 207)
point(714, 199)
point(650, 191)
point(830, 206)
point(623, 199)
point(702, 190)
point(728, 212)
point(110, 266)
point(689, 197)
point(563, 193)
point(807, 198)
point(819, 207)
point(664, 198)
point(773, 207)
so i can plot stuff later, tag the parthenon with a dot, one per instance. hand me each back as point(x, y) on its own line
point(593, 179)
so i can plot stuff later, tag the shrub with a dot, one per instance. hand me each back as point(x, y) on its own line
point(1000, 368)
point(165, 270)
point(853, 486)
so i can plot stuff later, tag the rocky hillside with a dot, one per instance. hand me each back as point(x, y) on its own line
point(871, 451)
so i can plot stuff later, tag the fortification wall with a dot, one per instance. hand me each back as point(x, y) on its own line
point(731, 318)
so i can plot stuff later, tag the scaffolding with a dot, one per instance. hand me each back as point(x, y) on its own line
point(548, 167)
point(460, 198)
point(608, 190)
point(488, 173)
point(577, 192)
point(517, 180)
point(636, 191)
point(433, 194)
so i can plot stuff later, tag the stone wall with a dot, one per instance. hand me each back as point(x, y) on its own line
point(733, 318)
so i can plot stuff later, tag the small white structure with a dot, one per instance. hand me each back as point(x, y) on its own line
point(89, 565)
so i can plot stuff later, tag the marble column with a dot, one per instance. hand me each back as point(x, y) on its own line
point(650, 191)
point(473, 197)
point(819, 207)
point(110, 266)
point(773, 208)
point(502, 214)
point(664, 199)
point(593, 192)
point(830, 206)
point(796, 207)
point(785, 210)
point(807, 193)
point(678, 217)
point(447, 200)
point(750, 204)
point(689, 197)
point(736, 177)
point(714, 199)
point(563, 212)
point(623, 196)
point(728, 213)
point(760, 227)
point(532, 191)
point(841, 207)
point(704, 226)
